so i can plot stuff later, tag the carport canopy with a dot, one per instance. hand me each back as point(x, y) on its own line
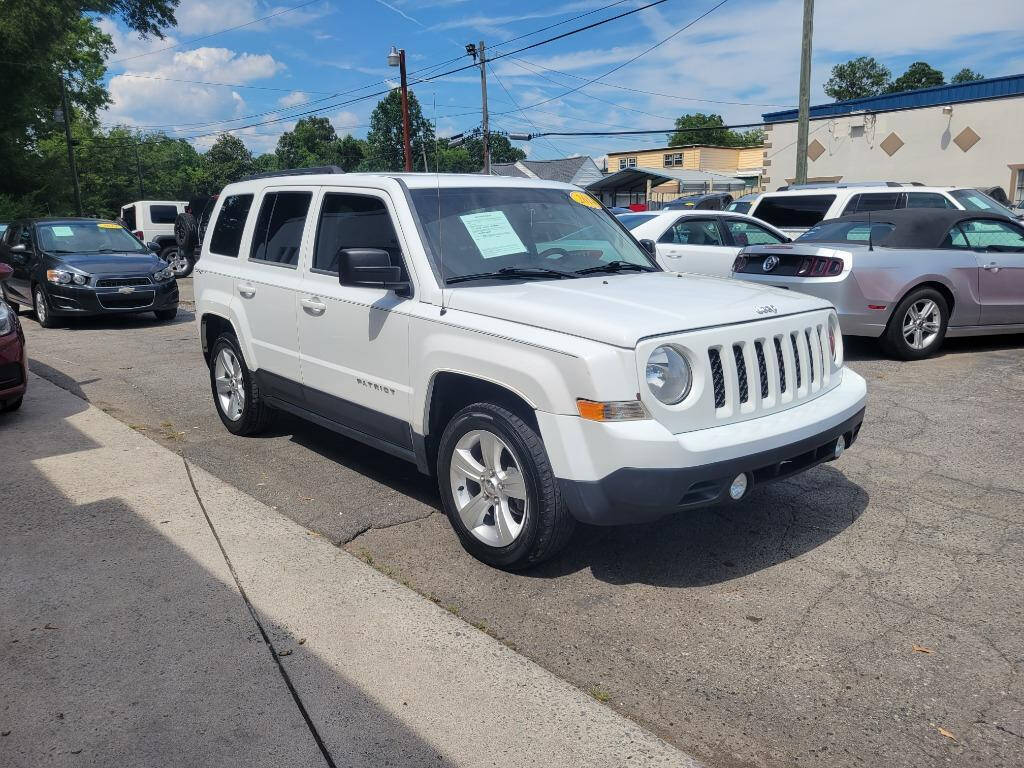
point(634, 180)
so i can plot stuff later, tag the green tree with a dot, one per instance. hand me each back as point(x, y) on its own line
point(710, 129)
point(448, 159)
point(920, 74)
point(858, 78)
point(384, 140)
point(351, 152)
point(501, 148)
point(966, 75)
point(226, 161)
point(312, 142)
point(265, 163)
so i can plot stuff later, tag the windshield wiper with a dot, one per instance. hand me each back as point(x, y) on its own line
point(615, 266)
point(510, 272)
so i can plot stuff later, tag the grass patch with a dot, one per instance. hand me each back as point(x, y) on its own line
point(600, 694)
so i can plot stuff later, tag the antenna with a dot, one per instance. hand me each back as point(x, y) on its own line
point(871, 245)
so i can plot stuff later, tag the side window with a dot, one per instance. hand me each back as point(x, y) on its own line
point(227, 232)
point(353, 221)
point(955, 239)
point(689, 231)
point(744, 233)
point(985, 233)
point(278, 233)
point(928, 200)
point(163, 214)
point(794, 210)
point(879, 201)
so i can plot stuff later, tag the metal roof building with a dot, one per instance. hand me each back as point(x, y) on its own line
point(634, 185)
point(569, 170)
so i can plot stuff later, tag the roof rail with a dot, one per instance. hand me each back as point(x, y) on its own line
point(845, 184)
point(296, 172)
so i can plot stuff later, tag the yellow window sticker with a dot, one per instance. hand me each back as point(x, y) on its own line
point(108, 225)
point(584, 199)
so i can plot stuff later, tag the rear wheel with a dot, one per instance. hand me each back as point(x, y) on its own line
point(917, 327)
point(42, 307)
point(498, 488)
point(236, 394)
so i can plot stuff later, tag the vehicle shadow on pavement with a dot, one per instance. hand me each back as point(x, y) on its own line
point(113, 322)
point(708, 546)
point(126, 642)
point(857, 348)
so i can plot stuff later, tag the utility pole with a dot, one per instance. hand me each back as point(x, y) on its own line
point(803, 118)
point(397, 59)
point(484, 122)
point(138, 167)
point(66, 112)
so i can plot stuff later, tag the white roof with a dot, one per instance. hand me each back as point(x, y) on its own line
point(412, 180)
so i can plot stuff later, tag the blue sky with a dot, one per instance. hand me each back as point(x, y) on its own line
point(740, 61)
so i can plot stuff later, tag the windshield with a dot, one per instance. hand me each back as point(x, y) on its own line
point(633, 220)
point(975, 200)
point(846, 232)
point(478, 230)
point(87, 237)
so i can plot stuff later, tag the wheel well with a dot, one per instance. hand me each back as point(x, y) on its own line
point(213, 326)
point(452, 392)
point(942, 289)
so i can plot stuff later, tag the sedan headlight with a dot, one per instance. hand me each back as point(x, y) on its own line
point(66, 277)
point(6, 318)
point(668, 375)
point(164, 274)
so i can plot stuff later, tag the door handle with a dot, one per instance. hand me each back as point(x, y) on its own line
point(313, 306)
point(992, 267)
point(246, 290)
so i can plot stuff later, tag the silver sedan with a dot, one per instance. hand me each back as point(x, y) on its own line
point(907, 277)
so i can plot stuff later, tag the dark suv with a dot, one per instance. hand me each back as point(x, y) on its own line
point(69, 267)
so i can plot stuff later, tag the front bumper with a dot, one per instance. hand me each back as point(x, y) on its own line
point(69, 300)
point(633, 472)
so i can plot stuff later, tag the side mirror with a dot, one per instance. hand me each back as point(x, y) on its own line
point(370, 267)
point(5, 271)
point(649, 246)
point(154, 247)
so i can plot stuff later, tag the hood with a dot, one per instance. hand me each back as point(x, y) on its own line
point(622, 309)
point(122, 264)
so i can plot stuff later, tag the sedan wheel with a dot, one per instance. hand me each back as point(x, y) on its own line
point(488, 488)
point(43, 314)
point(227, 373)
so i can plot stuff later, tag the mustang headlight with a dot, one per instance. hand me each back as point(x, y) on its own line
point(164, 274)
point(668, 375)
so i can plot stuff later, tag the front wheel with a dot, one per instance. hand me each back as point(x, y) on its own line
point(917, 327)
point(181, 265)
point(11, 405)
point(42, 307)
point(498, 489)
point(236, 394)
point(166, 315)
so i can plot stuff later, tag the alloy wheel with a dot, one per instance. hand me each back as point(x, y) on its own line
point(921, 324)
point(178, 263)
point(488, 488)
point(227, 374)
point(41, 309)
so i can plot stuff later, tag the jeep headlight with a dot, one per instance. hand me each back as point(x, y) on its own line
point(164, 274)
point(668, 375)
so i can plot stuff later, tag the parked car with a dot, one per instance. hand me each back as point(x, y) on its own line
point(909, 278)
point(509, 337)
point(703, 242)
point(742, 205)
point(80, 267)
point(797, 209)
point(715, 201)
point(13, 367)
point(152, 221)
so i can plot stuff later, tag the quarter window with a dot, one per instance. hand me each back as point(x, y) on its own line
point(278, 233)
point(353, 221)
point(163, 214)
point(745, 233)
point(227, 232)
point(693, 232)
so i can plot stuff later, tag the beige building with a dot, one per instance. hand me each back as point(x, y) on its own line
point(741, 162)
point(970, 134)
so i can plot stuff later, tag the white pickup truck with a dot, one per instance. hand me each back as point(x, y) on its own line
point(510, 337)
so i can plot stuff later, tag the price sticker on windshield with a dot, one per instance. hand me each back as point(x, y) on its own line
point(584, 199)
point(493, 234)
point(108, 225)
point(59, 231)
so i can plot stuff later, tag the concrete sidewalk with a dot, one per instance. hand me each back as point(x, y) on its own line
point(152, 615)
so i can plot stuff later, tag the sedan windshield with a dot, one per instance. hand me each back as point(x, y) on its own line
point(522, 233)
point(87, 237)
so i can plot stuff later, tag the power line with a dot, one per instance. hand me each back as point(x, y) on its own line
point(224, 85)
point(506, 90)
point(641, 132)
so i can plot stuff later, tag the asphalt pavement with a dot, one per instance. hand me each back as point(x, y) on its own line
point(867, 612)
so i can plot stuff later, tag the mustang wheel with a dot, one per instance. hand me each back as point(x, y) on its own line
point(498, 489)
point(239, 402)
point(918, 325)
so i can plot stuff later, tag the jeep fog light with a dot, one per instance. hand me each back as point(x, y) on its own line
point(668, 375)
point(738, 487)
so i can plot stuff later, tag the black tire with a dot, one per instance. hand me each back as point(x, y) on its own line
point(166, 315)
point(46, 319)
point(186, 232)
point(256, 414)
point(894, 341)
point(181, 264)
point(547, 524)
point(11, 405)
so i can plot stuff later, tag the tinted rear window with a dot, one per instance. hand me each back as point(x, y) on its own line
point(227, 232)
point(794, 210)
point(163, 214)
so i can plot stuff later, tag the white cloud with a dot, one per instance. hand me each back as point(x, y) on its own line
point(345, 121)
point(201, 17)
point(293, 98)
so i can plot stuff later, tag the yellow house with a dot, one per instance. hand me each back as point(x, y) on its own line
point(741, 162)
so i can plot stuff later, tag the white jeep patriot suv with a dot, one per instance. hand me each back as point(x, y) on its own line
point(511, 337)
